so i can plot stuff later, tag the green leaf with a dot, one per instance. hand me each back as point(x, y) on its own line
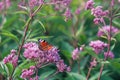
point(105, 62)
point(117, 14)
point(94, 77)
point(20, 12)
point(117, 23)
point(42, 25)
point(77, 76)
point(10, 68)
point(91, 52)
point(118, 37)
point(36, 38)
point(70, 78)
point(10, 21)
point(2, 71)
point(46, 74)
point(116, 66)
point(9, 34)
point(4, 68)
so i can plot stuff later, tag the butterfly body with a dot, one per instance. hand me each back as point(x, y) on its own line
point(44, 45)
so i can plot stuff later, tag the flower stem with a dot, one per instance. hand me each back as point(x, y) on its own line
point(88, 74)
point(109, 42)
point(101, 69)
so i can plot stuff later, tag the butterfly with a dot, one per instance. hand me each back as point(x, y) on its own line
point(44, 45)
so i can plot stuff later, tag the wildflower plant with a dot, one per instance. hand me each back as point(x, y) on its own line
point(79, 40)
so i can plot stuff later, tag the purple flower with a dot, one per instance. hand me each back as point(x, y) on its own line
point(75, 54)
point(93, 63)
point(109, 55)
point(89, 4)
point(27, 73)
point(98, 46)
point(8, 3)
point(66, 2)
point(35, 78)
point(5, 4)
point(105, 30)
point(41, 1)
point(97, 20)
point(31, 50)
point(14, 61)
point(97, 12)
point(11, 58)
point(33, 3)
point(112, 2)
point(1, 6)
point(77, 11)
point(53, 55)
point(61, 66)
point(119, 1)
point(67, 14)
point(41, 58)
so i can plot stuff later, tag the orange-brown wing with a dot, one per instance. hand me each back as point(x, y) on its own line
point(43, 45)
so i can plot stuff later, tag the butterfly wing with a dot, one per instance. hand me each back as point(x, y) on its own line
point(44, 46)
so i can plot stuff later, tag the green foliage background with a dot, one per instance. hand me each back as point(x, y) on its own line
point(51, 26)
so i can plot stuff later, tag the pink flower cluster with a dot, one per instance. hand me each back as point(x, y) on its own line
point(59, 5)
point(62, 5)
point(62, 66)
point(89, 4)
point(105, 30)
point(77, 11)
point(96, 11)
point(33, 52)
point(33, 3)
point(67, 14)
point(93, 63)
point(27, 73)
point(76, 52)
point(4, 4)
point(109, 55)
point(98, 46)
point(11, 58)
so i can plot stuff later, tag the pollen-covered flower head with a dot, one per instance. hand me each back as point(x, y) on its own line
point(106, 29)
point(98, 46)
